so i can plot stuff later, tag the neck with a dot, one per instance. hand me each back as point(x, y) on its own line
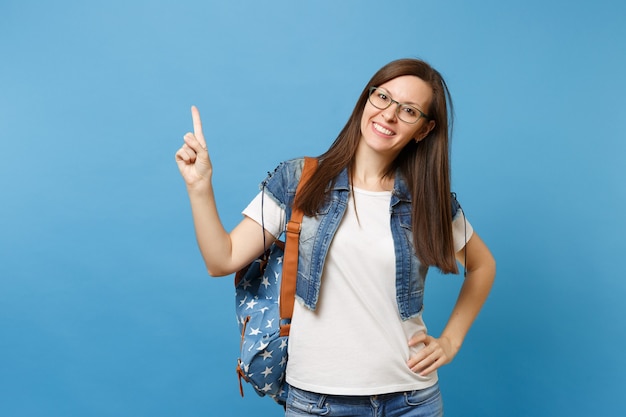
point(369, 171)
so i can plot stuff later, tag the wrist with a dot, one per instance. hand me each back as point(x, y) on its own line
point(454, 342)
point(200, 189)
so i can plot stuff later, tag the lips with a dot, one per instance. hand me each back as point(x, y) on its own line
point(383, 130)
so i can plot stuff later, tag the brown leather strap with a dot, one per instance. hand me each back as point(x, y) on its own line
point(290, 259)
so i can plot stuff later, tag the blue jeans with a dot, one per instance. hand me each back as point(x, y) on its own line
point(421, 403)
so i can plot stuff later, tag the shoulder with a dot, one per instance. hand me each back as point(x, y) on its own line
point(292, 166)
point(287, 172)
point(281, 183)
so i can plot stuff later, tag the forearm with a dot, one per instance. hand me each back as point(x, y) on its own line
point(213, 240)
point(474, 292)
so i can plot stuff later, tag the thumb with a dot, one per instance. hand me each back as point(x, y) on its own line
point(418, 338)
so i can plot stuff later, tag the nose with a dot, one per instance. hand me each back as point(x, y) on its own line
point(390, 112)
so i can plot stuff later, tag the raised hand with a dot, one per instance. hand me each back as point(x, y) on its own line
point(193, 157)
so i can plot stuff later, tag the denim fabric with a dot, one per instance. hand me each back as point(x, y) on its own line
point(420, 403)
point(317, 233)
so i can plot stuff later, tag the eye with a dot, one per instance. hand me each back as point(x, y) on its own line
point(409, 110)
point(382, 96)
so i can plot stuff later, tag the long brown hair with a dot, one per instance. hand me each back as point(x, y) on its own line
point(425, 165)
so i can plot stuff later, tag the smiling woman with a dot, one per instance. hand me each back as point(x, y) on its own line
point(105, 306)
point(390, 160)
point(387, 125)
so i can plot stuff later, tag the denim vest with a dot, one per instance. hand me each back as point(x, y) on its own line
point(317, 233)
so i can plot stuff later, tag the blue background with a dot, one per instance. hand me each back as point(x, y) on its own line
point(105, 307)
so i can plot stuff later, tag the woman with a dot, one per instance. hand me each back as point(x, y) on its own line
point(378, 213)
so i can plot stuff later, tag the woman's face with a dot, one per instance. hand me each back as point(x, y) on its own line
point(382, 131)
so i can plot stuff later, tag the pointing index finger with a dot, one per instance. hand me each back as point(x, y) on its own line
point(197, 126)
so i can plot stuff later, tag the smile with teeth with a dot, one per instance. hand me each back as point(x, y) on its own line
point(382, 130)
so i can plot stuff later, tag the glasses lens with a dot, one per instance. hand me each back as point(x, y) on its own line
point(408, 114)
point(379, 98)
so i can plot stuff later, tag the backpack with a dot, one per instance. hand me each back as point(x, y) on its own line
point(264, 298)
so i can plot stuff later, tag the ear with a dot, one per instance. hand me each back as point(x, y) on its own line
point(424, 131)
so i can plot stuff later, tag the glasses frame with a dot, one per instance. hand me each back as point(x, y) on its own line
point(399, 105)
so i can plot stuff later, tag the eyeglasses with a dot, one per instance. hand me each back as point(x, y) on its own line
point(380, 99)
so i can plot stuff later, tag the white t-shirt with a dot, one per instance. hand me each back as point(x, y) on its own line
point(355, 343)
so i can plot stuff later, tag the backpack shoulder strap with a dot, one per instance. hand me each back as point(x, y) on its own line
point(290, 259)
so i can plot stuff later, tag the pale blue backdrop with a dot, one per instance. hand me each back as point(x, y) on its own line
point(105, 308)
